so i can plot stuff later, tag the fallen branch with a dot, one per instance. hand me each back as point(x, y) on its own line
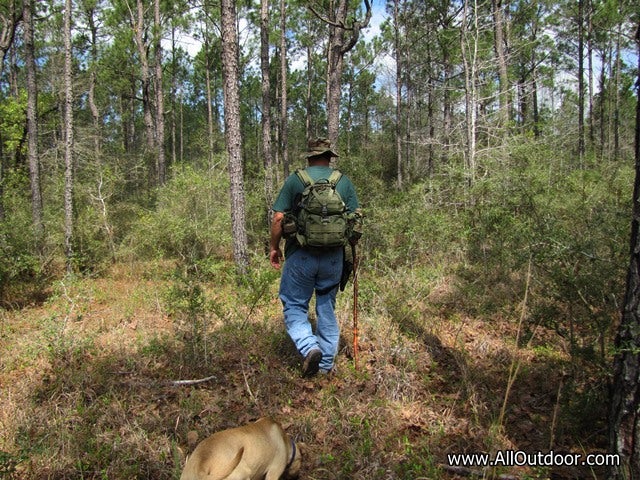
point(181, 383)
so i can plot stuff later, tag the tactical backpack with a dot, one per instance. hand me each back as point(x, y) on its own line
point(320, 215)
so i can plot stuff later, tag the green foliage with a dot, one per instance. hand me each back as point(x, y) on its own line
point(190, 222)
point(22, 270)
point(12, 120)
point(570, 224)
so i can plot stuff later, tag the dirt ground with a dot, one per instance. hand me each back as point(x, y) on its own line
point(87, 384)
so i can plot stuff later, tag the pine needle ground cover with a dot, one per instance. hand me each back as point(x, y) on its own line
point(487, 316)
point(88, 381)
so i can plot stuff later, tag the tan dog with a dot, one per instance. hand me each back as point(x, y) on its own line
point(255, 451)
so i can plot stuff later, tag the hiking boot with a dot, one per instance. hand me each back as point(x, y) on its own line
point(311, 363)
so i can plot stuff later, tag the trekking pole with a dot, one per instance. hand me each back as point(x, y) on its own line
point(355, 307)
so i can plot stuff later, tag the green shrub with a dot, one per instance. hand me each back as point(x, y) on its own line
point(191, 221)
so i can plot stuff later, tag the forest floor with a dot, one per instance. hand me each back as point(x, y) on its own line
point(86, 383)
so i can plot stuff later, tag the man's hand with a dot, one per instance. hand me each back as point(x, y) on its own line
point(275, 257)
point(275, 254)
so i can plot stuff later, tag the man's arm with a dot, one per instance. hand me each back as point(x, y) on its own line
point(275, 254)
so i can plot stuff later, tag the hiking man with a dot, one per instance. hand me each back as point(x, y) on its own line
point(312, 268)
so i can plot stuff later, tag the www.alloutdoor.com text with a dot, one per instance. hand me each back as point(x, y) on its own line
point(518, 458)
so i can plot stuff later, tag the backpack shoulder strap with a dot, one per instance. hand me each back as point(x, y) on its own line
point(304, 177)
point(335, 177)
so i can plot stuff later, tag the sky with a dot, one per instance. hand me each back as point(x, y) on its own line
point(192, 45)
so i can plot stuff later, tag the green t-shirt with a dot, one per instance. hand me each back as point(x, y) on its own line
point(293, 186)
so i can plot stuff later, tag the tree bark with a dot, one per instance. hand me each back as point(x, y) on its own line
point(68, 140)
point(93, 107)
point(266, 107)
point(581, 144)
point(232, 131)
point(469, 59)
point(624, 418)
point(398, 128)
point(338, 46)
point(145, 78)
point(32, 122)
point(284, 100)
point(159, 137)
point(503, 74)
point(8, 22)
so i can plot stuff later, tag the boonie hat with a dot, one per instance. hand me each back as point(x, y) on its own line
point(319, 146)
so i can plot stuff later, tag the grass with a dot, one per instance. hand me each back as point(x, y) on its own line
point(87, 377)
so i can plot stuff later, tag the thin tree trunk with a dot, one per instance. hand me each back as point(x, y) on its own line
point(232, 131)
point(503, 75)
point(161, 162)
point(145, 78)
point(590, 74)
point(307, 119)
point(173, 95)
point(91, 97)
point(469, 58)
point(284, 85)
point(602, 104)
point(266, 108)
point(68, 143)
point(210, 119)
point(624, 417)
point(32, 122)
point(534, 78)
point(447, 113)
point(616, 113)
point(399, 63)
point(581, 93)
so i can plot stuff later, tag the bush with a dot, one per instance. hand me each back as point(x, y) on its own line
point(571, 224)
point(190, 222)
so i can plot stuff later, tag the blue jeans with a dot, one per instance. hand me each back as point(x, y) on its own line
point(303, 273)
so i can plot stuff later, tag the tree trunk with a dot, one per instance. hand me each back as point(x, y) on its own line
point(7, 34)
point(338, 46)
point(534, 80)
point(68, 140)
point(399, 62)
point(308, 114)
point(624, 418)
point(616, 110)
point(161, 162)
point(89, 12)
point(8, 31)
point(581, 145)
point(447, 108)
point(145, 78)
point(284, 99)
point(503, 75)
point(232, 131)
point(32, 122)
point(469, 60)
point(335, 65)
point(266, 108)
point(210, 119)
point(591, 112)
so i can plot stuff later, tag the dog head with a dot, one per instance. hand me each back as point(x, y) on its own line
point(292, 471)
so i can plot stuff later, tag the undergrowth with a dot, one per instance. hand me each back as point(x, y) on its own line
point(485, 324)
